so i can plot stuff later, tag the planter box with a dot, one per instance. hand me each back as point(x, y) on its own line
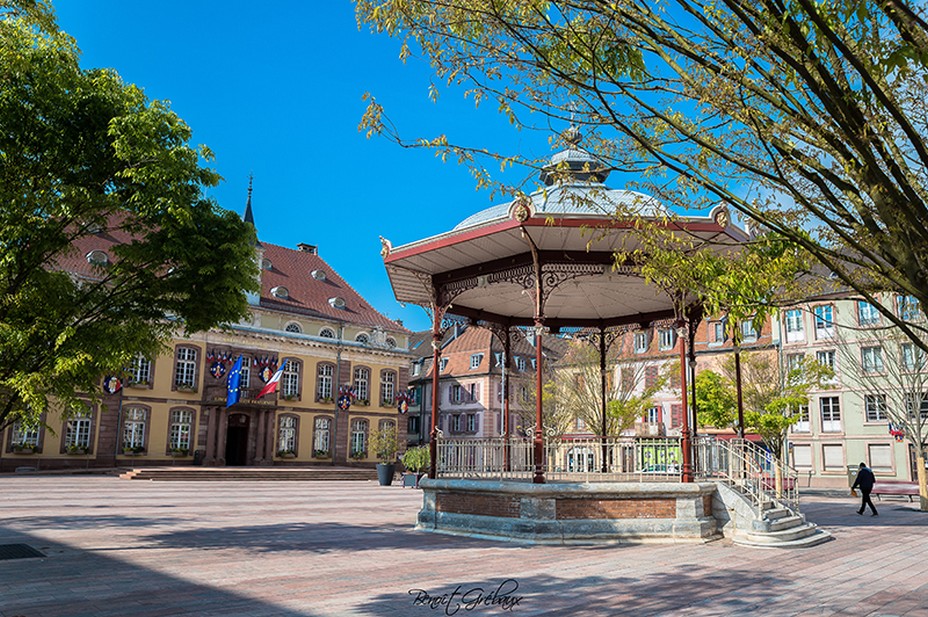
point(23, 450)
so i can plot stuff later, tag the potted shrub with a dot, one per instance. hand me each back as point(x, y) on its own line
point(363, 402)
point(133, 450)
point(321, 454)
point(186, 388)
point(177, 452)
point(286, 454)
point(415, 460)
point(358, 455)
point(384, 445)
point(76, 449)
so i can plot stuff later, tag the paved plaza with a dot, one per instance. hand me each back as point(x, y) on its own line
point(120, 548)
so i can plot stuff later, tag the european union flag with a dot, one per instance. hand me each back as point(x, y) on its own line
point(234, 392)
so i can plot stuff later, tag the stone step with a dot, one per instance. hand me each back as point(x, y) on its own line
point(245, 475)
point(786, 522)
point(783, 536)
point(761, 540)
point(772, 513)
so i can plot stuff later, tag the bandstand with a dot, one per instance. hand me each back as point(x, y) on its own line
point(547, 263)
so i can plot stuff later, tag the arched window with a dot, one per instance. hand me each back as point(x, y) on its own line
point(359, 439)
point(322, 438)
point(293, 327)
point(390, 342)
point(387, 388)
point(324, 382)
point(362, 384)
point(327, 333)
point(290, 380)
point(363, 338)
point(287, 431)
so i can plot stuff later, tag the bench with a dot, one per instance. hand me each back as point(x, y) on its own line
point(895, 487)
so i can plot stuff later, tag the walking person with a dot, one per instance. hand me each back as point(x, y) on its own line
point(865, 482)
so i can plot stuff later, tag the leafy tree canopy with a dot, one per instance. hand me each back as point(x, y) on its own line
point(88, 161)
point(807, 117)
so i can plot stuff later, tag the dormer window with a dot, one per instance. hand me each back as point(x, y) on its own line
point(363, 338)
point(443, 365)
point(337, 302)
point(319, 275)
point(293, 327)
point(327, 333)
point(98, 258)
point(390, 342)
point(475, 360)
point(280, 292)
point(266, 264)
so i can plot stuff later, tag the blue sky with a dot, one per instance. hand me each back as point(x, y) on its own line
point(275, 89)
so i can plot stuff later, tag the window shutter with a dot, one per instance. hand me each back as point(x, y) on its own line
point(650, 376)
point(676, 415)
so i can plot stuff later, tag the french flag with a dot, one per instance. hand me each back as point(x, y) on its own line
point(271, 385)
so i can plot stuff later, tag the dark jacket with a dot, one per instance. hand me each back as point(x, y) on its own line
point(864, 479)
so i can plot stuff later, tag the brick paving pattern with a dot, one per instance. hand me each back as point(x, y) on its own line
point(304, 549)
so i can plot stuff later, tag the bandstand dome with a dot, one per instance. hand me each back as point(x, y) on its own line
point(567, 235)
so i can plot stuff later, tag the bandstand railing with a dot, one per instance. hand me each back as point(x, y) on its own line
point(739, 463)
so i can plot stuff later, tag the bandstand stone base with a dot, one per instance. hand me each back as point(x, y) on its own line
point(570, 513)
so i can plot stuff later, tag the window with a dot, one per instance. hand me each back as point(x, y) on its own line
point(718, 331)
point(133, 428)
point(831, 414)
point(875, 407)
point(473, 393)
point(363, 338)
point(520, 363)
point(793, 362)
point(286, 435)
point(321, 437)
point(666, 338)
point(802, 456)
point(913, 358)
point(443, 365)
point(475, 360)
point(293, 327)
point(881, 456)
point(794, 327)
point(25, 435)
point(179, 433)
point(867, 315)
point(748, 333)
point(416, 369)
point(802, 420)
point(523, 394)
point(833, 457)
point(359, 439)
point(654, 415)
point(871, 359)
point(185, 368)
point(454, 394)
point(650, 376)
point(498, 357)
point(327, 333)
point(641, 342)
point(280, 292)
point(77, 432)
point(290, 379)
point(413, 394)
point(913, 400)
point(826, 358)
point(362, 383)
point(907, 307)
point(139, 372)
point(387, 388)
point(627, 378)
point(98, 258)
point(471, 423)
point(324, 382)
point(390, 342)
point(246, 374)
point(824, 321)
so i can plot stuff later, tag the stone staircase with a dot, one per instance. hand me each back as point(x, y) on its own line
point(780, 527)
point(250, 474)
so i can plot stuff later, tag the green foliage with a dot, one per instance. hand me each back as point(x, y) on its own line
point(88, 161)
point(385, 443)
point(416, 459)
point(716, 401)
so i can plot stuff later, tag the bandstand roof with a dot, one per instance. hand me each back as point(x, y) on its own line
point(484, 268)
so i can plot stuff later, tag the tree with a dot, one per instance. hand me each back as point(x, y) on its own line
point(773, 398)
point(87, 161)
point(807, 117)
point(578, 390)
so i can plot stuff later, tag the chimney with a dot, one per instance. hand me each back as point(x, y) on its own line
point(308, 248)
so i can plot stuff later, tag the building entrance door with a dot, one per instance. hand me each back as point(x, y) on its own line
point(237, 440)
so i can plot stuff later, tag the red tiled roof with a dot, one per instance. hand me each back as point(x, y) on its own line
point(309, 296)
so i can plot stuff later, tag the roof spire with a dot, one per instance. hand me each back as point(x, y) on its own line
point(249, 216)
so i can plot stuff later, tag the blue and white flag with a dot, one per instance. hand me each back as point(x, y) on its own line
point(234, 392)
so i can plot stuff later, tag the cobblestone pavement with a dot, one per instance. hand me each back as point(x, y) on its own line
point(300, 549)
